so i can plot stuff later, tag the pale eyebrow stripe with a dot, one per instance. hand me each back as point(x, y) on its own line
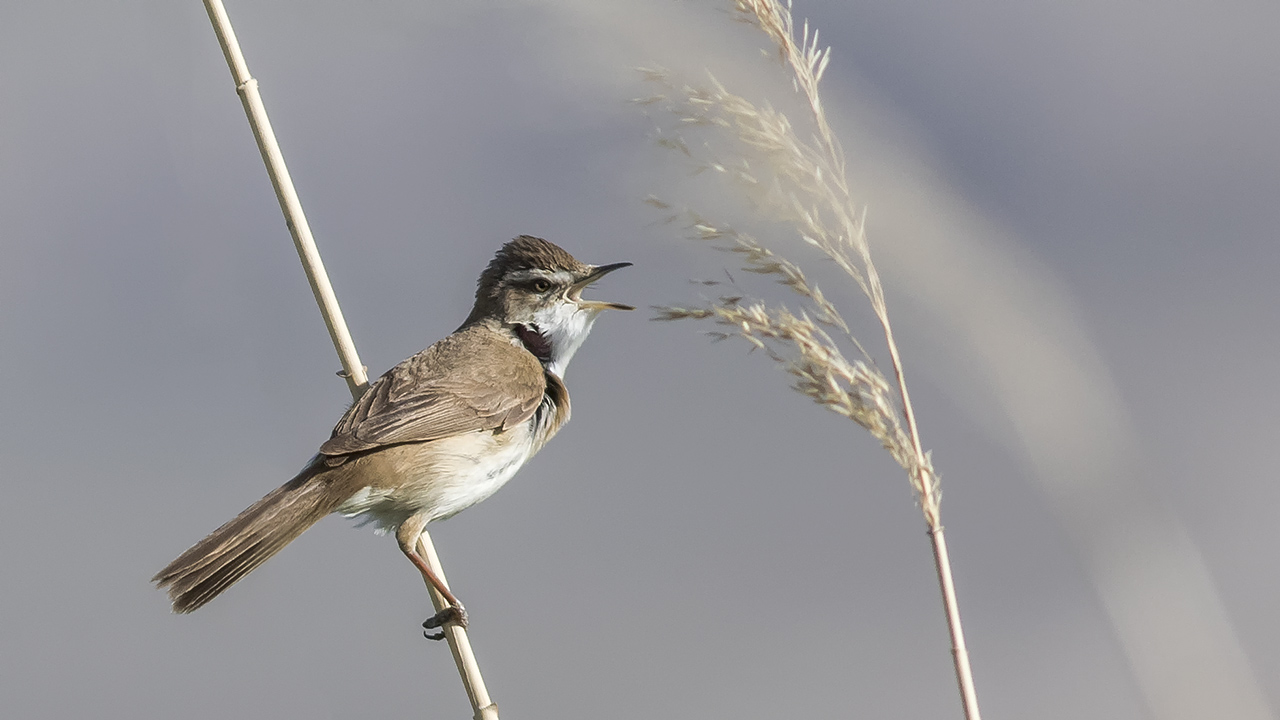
point(559, 277)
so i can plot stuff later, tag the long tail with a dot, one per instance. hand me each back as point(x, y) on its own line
point(229, 553)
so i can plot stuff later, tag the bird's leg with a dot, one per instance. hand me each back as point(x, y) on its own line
point(407, 536)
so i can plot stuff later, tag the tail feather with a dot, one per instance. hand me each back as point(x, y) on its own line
point(241, 545)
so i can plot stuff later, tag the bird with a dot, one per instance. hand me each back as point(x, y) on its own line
point(434, 435)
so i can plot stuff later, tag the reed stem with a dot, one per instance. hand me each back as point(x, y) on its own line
point(929, 504)
point(352, 371)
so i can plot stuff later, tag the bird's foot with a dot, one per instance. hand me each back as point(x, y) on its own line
point(452, 615)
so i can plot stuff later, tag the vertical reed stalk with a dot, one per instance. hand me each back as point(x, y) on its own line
point(352, 370)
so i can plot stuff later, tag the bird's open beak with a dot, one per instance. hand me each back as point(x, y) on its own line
point(575, 292)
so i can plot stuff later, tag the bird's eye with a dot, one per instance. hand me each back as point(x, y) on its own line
point(541, 286)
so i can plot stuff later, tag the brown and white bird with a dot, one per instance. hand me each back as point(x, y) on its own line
point(433, 436)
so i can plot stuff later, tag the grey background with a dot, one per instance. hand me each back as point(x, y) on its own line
point(699, 541)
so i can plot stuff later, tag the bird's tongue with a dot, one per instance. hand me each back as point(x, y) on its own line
point(535, 342)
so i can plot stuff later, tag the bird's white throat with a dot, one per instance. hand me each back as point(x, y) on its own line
point(565, 325)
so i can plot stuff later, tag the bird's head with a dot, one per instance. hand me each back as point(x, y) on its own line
point(533, 289)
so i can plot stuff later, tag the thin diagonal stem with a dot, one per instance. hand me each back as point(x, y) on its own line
point(929, 504)
point(352, 370)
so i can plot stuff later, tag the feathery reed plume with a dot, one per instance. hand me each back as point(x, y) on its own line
point(804, 184)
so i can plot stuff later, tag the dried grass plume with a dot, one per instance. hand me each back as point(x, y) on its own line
point(801, 182)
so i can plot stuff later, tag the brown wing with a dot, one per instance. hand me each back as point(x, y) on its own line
point(471, 380)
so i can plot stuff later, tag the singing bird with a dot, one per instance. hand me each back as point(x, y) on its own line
point(433, 436)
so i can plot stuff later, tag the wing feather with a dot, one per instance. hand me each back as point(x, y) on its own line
point(472, 380)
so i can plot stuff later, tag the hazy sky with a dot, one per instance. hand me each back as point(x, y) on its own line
point(1075, 208)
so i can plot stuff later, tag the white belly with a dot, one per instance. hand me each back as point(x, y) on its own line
point(439, 478)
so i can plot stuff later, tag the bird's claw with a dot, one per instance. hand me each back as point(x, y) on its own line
point(452, 615)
